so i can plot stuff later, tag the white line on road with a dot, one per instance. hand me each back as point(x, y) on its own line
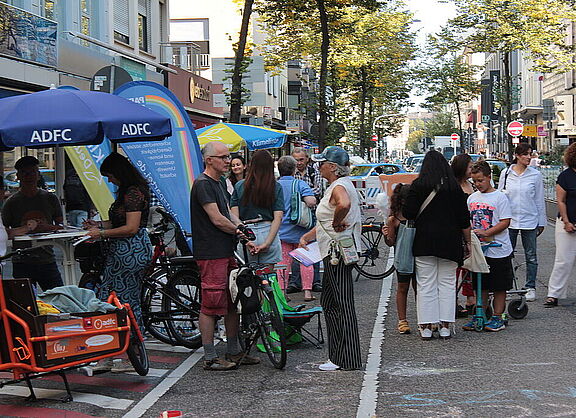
point(158, 346)
point(152, 397)
point(152, 372)
point(369, 392)
point(91, 398)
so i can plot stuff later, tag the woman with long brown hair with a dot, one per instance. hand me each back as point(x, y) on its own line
point(260, 196)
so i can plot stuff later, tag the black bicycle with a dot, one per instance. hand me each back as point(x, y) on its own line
point(373, 262)
point(265, 322)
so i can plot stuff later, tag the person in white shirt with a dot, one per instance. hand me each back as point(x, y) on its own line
point(524, 187)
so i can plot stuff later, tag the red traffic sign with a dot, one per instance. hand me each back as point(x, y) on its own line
point(454, 137)
point(515, 128)
point(375, 138)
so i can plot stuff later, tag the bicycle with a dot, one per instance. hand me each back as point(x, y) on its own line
point(266, 322)
point(373, 263)
point(170, 295)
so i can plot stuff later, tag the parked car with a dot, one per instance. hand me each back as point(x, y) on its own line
point(411, 162)
point(497, 167)
point(360, 171)
point(12, 184)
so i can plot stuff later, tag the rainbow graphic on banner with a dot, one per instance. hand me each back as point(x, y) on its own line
point(171, 165)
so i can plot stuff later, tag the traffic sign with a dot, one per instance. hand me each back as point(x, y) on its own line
point(375, 138)
point(515, 140)
point(454, 137)
point(515, 128)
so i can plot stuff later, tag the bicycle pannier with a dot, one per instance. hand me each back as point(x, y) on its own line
point(244, 290)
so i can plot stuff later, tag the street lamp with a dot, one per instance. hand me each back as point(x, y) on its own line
point(376, 119)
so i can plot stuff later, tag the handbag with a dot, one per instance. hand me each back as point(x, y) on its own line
point(343, 246)
point(300, 213)
point(403, 256)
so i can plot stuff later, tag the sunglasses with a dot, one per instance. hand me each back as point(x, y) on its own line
point(222, 157)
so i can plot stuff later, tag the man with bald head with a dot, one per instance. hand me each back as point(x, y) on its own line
point(214, 228)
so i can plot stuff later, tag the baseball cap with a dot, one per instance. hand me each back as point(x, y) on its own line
point(333, 154)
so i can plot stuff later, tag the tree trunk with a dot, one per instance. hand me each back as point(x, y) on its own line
point(324, 51)
point(236, 91)
point(363, 143)
point(460, 126)
point(507, 103)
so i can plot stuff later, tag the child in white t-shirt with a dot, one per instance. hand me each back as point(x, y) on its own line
point(490, 217)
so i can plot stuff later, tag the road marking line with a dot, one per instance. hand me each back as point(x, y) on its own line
point(158, 346)
point(152, 373)
point(91, 398)
point(369, 392)
point(153, 396)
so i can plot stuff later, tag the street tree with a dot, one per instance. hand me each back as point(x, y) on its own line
point(301, 29)
point(448, 80)
point(536, 27)
point(415, 138)
point(440, 124)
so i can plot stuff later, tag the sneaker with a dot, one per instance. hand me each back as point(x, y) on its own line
point(242, 359)
point(426, 333)
point(123, 366)
point(469, 326)
point(445, 333)
point(317, 288)
point(403, 327)
point(329, 367)
point(495, 324)
point(530, 295)
point(219, 364)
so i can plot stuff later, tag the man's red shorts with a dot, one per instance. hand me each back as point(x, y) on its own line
point(214, 275)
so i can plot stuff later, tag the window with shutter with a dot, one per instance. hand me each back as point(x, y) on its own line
point(122, 21)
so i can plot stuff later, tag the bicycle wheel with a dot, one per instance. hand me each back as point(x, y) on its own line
point(181, 304)
point(373, 262)
point(155, 320)
point(137, 355)
point(272, 331)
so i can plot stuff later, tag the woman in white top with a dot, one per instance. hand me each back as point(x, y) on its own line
point(524, 187)
point(338, 216)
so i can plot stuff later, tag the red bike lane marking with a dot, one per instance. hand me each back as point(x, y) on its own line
point(121, 384)
point(32, 412)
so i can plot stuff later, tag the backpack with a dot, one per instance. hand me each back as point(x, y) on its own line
point(300, 213)
point(243, 285)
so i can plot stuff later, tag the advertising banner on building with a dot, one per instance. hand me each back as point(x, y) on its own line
point(495, 89)
point(486, 101)
point(171, 165)
point(565, 114)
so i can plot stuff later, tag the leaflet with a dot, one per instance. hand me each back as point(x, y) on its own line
point(309, 256)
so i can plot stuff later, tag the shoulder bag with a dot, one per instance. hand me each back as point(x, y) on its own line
point(403, 256)
point(300, 213)
point(343, 246)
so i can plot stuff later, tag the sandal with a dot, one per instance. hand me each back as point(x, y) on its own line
point(403, 327)
point(551, 302)
point(461, 312)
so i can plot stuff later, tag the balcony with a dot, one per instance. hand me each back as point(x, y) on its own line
point(27, 37)
point(186, 55)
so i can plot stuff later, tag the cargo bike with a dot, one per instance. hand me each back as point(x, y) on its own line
point(34, 345)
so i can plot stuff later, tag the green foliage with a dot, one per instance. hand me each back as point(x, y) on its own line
point(441, 124)
point(414, 139)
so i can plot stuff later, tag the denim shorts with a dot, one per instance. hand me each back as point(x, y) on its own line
point(274, 253)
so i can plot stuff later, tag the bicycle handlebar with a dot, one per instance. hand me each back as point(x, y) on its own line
point(20, 251)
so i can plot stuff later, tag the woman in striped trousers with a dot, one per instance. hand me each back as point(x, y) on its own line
point(338, 217)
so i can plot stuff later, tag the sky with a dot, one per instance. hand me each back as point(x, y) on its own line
point(431, 15)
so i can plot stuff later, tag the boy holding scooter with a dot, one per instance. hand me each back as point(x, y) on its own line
point(490, 217)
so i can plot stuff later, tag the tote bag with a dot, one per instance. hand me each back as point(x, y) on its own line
point(403, 256)
point(300, 213)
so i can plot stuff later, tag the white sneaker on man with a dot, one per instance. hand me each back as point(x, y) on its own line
point(530, 295)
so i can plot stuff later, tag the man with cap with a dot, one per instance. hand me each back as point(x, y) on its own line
point(339, 225)
point(41, 211)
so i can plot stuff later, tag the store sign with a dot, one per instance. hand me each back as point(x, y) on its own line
point(198, 91)
point(565, 114)
point(530, 130)
point(542, 131)
point(494, 90)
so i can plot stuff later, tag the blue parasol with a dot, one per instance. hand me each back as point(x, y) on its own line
point(75, 117)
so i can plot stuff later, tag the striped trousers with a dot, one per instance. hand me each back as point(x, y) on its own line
point(341, 324)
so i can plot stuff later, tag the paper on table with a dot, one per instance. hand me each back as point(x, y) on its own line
point(309, 256)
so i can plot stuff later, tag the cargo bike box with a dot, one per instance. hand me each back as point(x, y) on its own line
point(59, 339)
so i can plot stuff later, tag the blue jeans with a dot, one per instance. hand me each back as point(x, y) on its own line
point(529, 243)
point(295, 280)
point(75, 217)
point(45, 275)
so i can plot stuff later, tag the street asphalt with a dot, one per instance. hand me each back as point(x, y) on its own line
point(528, 369)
